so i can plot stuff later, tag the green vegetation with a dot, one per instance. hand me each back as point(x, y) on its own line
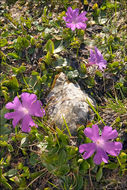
point(35, 46)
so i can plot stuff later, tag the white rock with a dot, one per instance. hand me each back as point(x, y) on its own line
point(69, 101)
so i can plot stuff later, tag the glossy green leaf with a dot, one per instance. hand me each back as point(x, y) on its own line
point(11, 172)
point(13, 55)
point(49, 46)
point(99, 174)
point(3, 42)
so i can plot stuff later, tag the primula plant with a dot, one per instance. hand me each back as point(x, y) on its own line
point(29, 106)
point(101, 144)
point(75, 20)
point(96, 58)
point(87, 41)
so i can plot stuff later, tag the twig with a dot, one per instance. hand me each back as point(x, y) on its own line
point(91, 183)
point(36, 178)
point(11, 23)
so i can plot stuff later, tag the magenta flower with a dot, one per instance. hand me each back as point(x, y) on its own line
point(75, 20)
point(30, 106)
point(101, 144)
point(97, 59)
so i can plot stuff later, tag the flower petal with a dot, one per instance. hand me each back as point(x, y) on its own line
point(65, 18)
point(81, 25)
point(97, 52)
point(101, 65)
point(73, 18)
point(108, 133)
point(101, 62)
point(9, 115)
point(69, 12)
point(100, 156)
point(13, 105)
point(36, 109)
point(91, 148)
point(85, 147)
point(16, 116)
point(113, 148)
point(26, 123)
point(97, 58)
point(82, 18)
point(75, 12)
point(70, 25)
point(92, 133)
point(28, 99)
point(92, 59)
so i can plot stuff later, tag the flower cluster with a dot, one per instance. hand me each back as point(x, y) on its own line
point(30, 106)
point(97, 59)
point(101, 144)
point(75, 20)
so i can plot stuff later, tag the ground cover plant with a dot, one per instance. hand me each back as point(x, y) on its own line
point(87, 41)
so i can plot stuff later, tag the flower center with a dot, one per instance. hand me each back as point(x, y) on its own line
point(74, 21)
point(24, 110)
point(100, 143)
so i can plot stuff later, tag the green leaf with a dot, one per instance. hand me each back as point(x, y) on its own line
point(83, 68)
point(11, 172)
point(3, 42)
point(4, 130)
point(62, 170)
point(71, 151)
point(49, 46)
point(84, 165)
point(32, 41)
point(86, 2)
point(35, 174)
point(12, 83)
point(79, 180)
point(21, 69)
point(24, 142)
point(68, 130)
point(3, 180)
point(13, 55)
point(59, 48)
point(33, 159)
point(99, 73)
point(2, 119)
point(48, 58)
point(73, 74)
point(3, 143)
point(99, 174)
point(111, 166)
point(62, 157)
point(10, 148)
point(44, 78)
point(60, 63)
point(21, 42)
point(40, 28)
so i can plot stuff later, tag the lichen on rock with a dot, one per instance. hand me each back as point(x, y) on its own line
point(66, 100)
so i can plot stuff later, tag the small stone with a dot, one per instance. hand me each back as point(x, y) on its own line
point(66, 100)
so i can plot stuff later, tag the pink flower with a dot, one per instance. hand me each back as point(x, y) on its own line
point(75, 20)
point(101, 144)
point(97, 59)
point(30, 106)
